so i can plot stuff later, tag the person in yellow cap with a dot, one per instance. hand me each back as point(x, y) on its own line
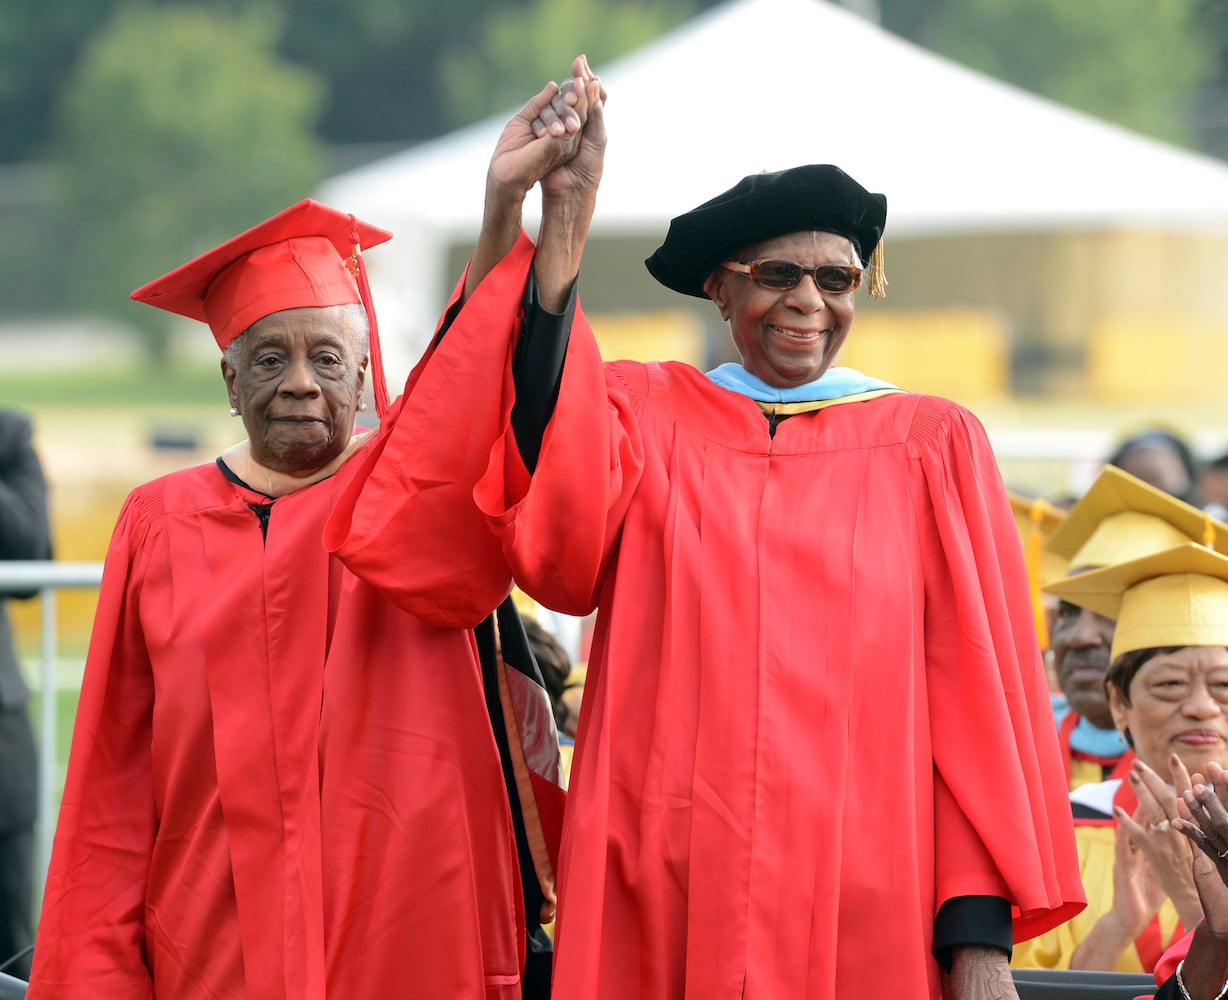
point(1119, 517)
point(814, 649)
point(284, 781)
point(1168, 692)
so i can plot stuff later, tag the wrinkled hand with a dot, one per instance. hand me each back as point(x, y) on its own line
point(555, 117)
point(979, 973)
point(583, 96)
point(543, 134)
point(1137, 893)
point(1204, 820)
point(1150, 829)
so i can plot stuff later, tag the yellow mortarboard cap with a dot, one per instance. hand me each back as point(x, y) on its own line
point(1177, 597)
point(1036, 519)
point(1120, 518)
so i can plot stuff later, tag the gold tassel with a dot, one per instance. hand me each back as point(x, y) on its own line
point(876, 274)
point(1208, 531)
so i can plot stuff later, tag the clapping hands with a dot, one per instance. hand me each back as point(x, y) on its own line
point(1203, 818)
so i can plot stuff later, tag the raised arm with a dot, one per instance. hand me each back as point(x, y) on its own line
point(405, 520)
point(569, 197)
point(552, 142)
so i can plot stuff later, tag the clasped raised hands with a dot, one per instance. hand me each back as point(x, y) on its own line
point(557, 139)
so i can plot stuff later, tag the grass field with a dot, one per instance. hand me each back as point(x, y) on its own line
point(45, 392)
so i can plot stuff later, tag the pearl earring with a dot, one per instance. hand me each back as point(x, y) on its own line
point(362, 407)
point(234, 411)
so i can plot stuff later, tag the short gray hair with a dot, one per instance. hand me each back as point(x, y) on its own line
point(352, 314)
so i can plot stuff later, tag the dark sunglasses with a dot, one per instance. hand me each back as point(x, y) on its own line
point(781, 275)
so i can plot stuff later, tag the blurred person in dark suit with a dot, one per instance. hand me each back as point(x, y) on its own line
point(24, 534)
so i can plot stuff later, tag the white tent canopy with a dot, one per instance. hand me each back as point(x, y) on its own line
point(765, 84)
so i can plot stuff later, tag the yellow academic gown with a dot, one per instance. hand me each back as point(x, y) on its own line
point(1096, 840)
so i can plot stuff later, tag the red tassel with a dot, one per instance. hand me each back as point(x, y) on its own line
point(379, 384)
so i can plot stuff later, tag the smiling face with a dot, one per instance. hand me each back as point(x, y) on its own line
point(786, 338)
point(1178, 703)
point(298, 381)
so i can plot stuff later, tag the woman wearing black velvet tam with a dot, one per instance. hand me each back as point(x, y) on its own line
point(808, 756)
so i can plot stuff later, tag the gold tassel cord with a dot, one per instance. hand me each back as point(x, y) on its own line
point(876, 273)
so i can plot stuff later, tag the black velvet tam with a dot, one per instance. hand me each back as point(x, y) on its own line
point(815, 197)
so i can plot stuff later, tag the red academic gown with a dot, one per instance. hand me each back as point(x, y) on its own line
point(814, 691)
point(282, 784)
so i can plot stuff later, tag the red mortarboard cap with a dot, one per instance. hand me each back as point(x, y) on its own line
point(305, 255)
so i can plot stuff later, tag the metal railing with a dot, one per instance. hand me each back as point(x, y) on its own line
point(46, 578)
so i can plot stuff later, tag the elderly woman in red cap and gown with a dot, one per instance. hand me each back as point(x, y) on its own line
point(816, 756)
point(286, 781)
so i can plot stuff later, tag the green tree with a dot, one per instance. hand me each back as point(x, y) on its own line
point(1210, 105)
point(393, 76)
point(520, 48)
point(39, 43)
point(1133, 62)
point(381, 58)
point(179, 127)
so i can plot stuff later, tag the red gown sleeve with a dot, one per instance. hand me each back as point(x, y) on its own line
point(92, 929)
point(590, 462)
point(405, 520)
point(1003, 825)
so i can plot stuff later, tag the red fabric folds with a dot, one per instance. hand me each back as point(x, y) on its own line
point(815, 707)
point(408, 502)
point(282, 785)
